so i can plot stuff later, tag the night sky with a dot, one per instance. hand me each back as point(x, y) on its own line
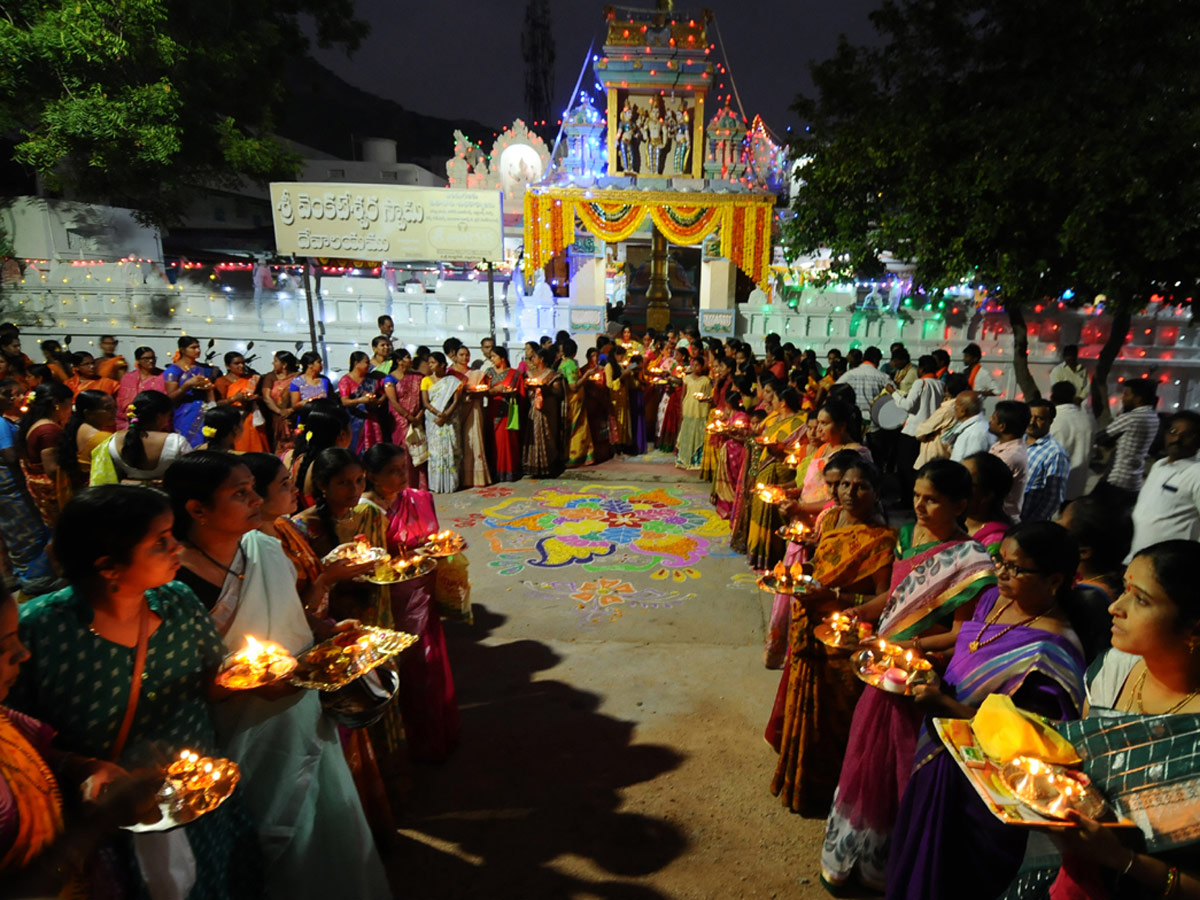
point(462, 58)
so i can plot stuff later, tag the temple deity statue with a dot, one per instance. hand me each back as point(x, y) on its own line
point(626, 132)
point(655, 131)
point(682, 139)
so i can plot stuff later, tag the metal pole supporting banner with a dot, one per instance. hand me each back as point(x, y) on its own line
point(308, 299)
point(491, 302)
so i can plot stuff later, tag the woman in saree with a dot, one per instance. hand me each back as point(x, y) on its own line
point(277, 398)
point(730, 457)
point(635, 374)
point(122, 613)
point(39, 435)
point(85, 378)
point(697, 400)
point(1104, 538)
point(670, 407)
point(296, 783)
point(310, 384)
point(541, 452)
point(314, 580)
point(836, 429)
point(597, 405)
point(577, 431)
point(337, 516)
point(810, 721)
point(403, 391)
point(761, 419)
point(616, 376)
point(223, 426)
point(991, 480)
point(474, 472)
point(506, 396)
point(937, 575)
point(763, 546)
point(189, 385)
point(439, 395)
point(145, 376)
point(718, 409)
point(92, 423)
point(1019, 643)
point(361, 394)
point(41, 844)
point(427, 700)
point(142, 451)
point(779, 622)
point(22, 530)
point(1139, 739)
point(239, 388)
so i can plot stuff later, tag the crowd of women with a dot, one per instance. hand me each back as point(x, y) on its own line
point(150, 591)
point(1044, 613)
point(159, 577)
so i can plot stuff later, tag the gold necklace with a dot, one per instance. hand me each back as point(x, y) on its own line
point(992, 620)
point(1137, 697)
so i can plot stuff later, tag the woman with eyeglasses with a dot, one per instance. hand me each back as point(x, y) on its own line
point(145, 376)
point(937, 576)
point(1139, 739)
point(1019, 642)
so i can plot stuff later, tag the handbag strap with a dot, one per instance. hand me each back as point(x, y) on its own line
point(135, 687)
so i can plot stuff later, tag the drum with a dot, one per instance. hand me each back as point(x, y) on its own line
point(886, 415)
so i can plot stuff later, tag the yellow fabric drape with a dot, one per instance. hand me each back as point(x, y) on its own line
point(615, 215)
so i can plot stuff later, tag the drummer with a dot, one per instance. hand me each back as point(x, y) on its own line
point(920, 402)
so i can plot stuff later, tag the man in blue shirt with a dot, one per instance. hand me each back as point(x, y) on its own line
point(1049, 466)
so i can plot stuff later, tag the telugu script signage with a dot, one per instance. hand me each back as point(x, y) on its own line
point(384, 222)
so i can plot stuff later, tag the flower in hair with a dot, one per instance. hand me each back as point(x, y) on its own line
point(299, 430)
point(209, 432)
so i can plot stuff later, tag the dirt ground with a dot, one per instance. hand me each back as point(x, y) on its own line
point(612, 711)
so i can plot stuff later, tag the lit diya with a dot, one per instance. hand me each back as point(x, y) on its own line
point(793, 458)
point(843, 631)
point(257, 664)
point(771, 494)
point(479, 388)
point(893, 669)
point(785, 580)
point(1052, 790)
point(763, 441)
point(599, 376)
point(404, 568)
point(796, 532)
point(358, 550)
point(348, 655)
point(194, 785)
point(443, 544)
point(699, 395)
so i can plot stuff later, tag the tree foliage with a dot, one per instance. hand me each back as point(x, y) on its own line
point(1026, 146)
point(139, 103)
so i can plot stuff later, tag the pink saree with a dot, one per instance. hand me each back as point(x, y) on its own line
point(929, 582)
point(426, 698)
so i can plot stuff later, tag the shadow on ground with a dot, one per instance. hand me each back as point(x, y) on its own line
point(529, 805)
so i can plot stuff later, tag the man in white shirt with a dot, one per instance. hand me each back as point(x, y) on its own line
point(1168, 506)
point(1008, 423)
point(868, 382)
point(1070, 372)
point(931, 432)
point(971, 435)
point(977, 375)
point(1073, 428)
point(920, 402)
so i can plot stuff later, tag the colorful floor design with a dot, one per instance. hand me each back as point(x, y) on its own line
point(660, 531)
point(604, 600)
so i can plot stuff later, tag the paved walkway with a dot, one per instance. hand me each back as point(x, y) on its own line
point(613, 700)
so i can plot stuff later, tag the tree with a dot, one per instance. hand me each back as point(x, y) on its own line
point(1024, 146)
point(142, 103)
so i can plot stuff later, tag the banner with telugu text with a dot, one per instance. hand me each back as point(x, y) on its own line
point(385, 222)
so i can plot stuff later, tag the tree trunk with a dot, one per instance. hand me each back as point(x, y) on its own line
point(1016, 318)
point(1108, 355)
